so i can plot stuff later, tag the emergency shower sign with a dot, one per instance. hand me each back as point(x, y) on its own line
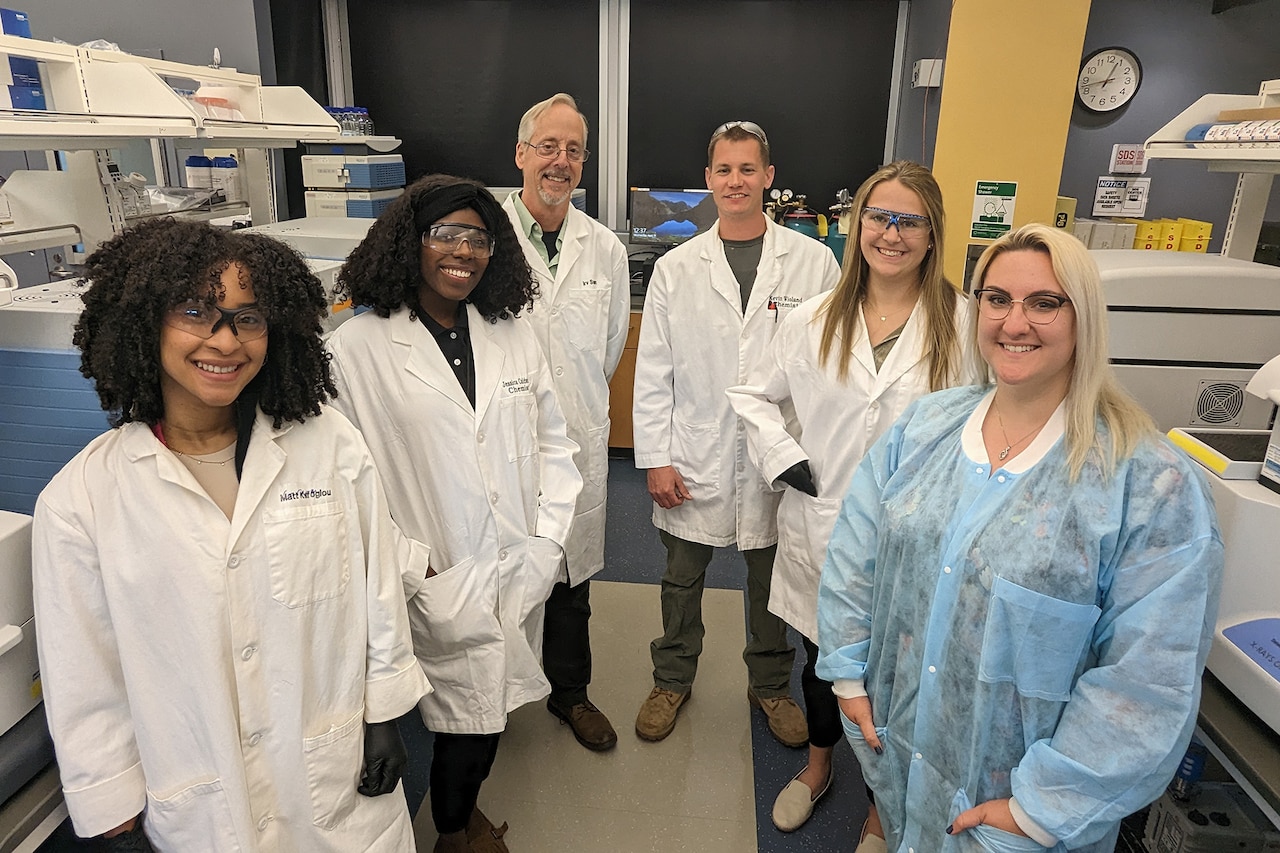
point(993, 203)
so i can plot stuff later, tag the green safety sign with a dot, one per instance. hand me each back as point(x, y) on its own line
point(993, 204)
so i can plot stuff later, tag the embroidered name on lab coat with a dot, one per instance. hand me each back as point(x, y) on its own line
point(304, 494)
point(592, 284)
point(783, 302)
point(520, 385)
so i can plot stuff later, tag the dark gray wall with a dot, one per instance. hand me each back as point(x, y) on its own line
point(186, 30)
point(928, 22)
point(1185, 51)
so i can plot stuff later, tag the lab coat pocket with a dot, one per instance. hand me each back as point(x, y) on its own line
point(194, 817)
point(519, 414)
point(987, 838)
point(306, 551)
point(695, 454)
point(333, 762)
point(878, 771)
point(585, 318)
point(457, 608)
point(542, 570)
point(1034, 640)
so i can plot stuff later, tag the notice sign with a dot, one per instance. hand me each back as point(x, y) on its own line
point(993, 203)
point(1121, 196)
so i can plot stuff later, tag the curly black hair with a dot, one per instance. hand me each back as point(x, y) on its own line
point(384, 272)
point(138, 276)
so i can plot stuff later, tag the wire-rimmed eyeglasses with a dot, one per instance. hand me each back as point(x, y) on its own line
point(1038, 308)
point(204, 321)
point(447, 238)
point(551, 150)
point(749, 126)
point(908, 224)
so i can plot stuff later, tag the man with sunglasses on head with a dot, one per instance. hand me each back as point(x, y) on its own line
point(711, 310)
point(580, 317)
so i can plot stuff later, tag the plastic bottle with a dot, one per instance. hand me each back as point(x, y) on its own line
point(347, 121)
point(226, 176)
point(1185, 781)
point(366, 122)
point(199, 171)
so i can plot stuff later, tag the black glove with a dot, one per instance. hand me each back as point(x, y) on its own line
point(798, 476)
point(385, 759)
point(132, 841)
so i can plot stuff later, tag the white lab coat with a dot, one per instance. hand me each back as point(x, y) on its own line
point(580, 318)
point(220, 672)
point(491, 489)
point(696, 342)
point(835, 423)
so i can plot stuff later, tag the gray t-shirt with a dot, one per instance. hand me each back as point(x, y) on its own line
point(744, 258)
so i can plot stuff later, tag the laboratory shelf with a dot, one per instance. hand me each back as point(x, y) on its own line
point(99, 98)
point(1256, 163)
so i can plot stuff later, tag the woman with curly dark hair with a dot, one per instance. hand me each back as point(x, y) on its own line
point(224, 647)
point(451, 390)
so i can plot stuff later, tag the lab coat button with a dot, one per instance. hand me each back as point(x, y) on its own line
point(1000, 479)
point(978, 469)
point(247, 653)
point(480, 437)
point(559, 371)
point(254, 738)
point(946, 570)
point(233, 562)
point(933, 669)
point(502, 555)
point(493, 498)
point(875, 404)
point(919, 756)
point(453, 335)
point(262, 824)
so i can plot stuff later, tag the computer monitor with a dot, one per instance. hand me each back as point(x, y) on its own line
point(667, 217)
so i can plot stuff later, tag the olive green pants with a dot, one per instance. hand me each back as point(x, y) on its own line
point(675, 654)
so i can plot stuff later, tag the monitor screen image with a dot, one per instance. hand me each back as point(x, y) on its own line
point(668, 217)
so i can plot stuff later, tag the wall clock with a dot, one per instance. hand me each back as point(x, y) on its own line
point(1108, 79)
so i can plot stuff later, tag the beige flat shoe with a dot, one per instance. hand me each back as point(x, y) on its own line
point(795, 803)
point(869, 843)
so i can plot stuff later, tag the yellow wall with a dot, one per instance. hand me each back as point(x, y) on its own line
point(1007, 91)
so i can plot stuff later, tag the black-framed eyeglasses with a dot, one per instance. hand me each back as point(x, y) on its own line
point(908, 224)
point(204, 321)
point(1038, 308)
point(551, 150)
point(749, 126)
point(447, 238)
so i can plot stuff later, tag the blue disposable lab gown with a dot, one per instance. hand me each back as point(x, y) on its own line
point(1019, 635)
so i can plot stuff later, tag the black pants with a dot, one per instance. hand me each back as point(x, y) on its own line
point(566, 643)
point(459, 765)
point(822, 710)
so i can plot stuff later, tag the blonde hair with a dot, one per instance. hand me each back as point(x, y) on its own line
point(535, 112)
point(1095, 393)
point(840, 309)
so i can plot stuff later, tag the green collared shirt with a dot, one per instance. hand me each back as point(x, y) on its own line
point(531, 229)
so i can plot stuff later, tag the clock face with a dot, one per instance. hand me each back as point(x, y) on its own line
point(1108, 79)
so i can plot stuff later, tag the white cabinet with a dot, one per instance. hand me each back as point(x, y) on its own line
point(1256, 164)
point(100, 100)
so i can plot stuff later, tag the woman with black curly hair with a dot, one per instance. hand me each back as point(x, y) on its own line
point(451, 390)
point(224, 646)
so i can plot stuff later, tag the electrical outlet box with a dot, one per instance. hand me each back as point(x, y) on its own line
point(926, 72)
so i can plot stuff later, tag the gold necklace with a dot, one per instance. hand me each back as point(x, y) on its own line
point(1008, 445)
point(884, 317)
point(199, 461)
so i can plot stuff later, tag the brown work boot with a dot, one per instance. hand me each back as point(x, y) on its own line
point(786, 720)
point(478, 824)
point(452, 842)
point(657, 717)
point(590, 726)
